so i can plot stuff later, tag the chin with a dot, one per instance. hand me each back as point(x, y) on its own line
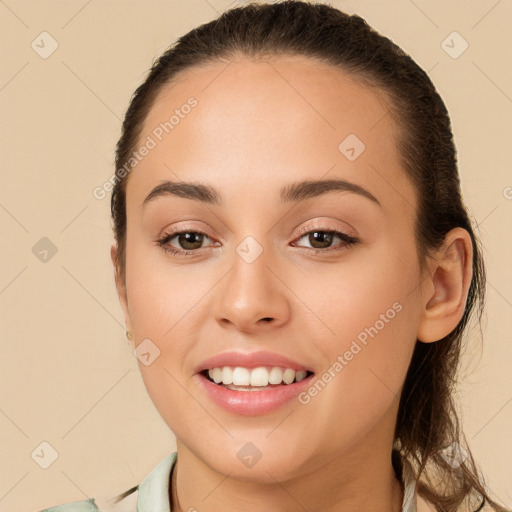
point(244, 461)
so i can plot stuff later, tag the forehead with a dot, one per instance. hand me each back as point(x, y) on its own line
point(269, 121)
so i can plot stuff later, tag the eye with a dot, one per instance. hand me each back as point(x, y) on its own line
point(188, 240)
point(321, 240)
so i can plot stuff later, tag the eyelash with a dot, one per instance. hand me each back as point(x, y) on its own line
point(349, 241)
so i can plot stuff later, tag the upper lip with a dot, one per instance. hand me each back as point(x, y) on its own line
point(250, 360)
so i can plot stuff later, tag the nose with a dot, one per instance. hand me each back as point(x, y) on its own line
point(252, 297)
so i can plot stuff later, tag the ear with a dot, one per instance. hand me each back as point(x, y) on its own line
point(445, 287)
point(120, 287)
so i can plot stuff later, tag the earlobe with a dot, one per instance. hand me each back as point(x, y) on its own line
point(445, 288)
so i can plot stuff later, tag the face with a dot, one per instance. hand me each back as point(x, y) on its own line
point(323, 281)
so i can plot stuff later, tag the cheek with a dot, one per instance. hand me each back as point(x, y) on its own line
point(165, 303)
point(161, 294)
point(372, 293)
point(375, 309)
point(374, 315)
point(366, 373)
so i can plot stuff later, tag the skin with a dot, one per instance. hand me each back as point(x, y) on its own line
point(260, 125)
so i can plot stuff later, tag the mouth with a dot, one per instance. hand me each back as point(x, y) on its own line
point(254, 383)
point(261, 378)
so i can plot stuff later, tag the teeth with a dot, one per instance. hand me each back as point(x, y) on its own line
point(257, 377)
point(227, 375)
point(288, 376)
point(217, 375)
point(275, 376)
point(241, 376)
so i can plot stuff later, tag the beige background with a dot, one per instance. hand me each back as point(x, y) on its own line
point(68, 376)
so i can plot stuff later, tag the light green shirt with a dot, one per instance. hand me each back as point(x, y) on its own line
point(152, 494)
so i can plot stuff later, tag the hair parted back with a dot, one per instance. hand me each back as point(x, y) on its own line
point(427, 419)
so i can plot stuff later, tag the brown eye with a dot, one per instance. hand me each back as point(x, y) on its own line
point(320, 239)
point(190, 240)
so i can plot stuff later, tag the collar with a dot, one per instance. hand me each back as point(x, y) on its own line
point(153, 495)
point(409, 482)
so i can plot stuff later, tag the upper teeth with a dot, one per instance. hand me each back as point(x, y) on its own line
point(261, 376)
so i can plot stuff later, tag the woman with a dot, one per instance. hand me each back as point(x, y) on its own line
point(296, 269)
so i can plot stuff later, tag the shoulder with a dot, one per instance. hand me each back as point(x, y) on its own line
point(152, 493)
point(125, 502)
point(75, 506)
point(426, 506)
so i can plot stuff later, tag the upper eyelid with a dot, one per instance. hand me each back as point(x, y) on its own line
point(348, 230)
point(301, 232)
point(309, 229)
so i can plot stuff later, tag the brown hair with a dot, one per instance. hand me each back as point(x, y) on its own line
point(427, 420)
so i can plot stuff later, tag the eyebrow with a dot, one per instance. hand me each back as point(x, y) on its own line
point(295, 192)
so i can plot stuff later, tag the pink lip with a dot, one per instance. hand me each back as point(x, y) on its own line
point(250, 360)
point(252, 403)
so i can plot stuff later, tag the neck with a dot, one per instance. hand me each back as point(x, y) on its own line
point(332, 487)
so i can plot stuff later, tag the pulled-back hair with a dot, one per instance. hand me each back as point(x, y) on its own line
point(427, 421)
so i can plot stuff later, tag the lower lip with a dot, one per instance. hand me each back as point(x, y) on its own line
point(252, 403)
